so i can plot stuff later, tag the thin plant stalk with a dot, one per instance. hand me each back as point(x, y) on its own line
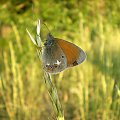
point(47, 77)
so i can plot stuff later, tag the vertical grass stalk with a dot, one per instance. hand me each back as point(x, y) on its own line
point(47, 77)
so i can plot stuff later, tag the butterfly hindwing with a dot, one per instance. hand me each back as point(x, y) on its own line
point(53, 59)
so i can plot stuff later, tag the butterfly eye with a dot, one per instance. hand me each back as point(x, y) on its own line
point(49, 43)
point(62, 56)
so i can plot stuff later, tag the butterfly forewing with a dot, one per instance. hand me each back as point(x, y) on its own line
point(73, 53)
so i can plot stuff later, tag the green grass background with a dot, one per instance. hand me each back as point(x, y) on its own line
point(88, 91)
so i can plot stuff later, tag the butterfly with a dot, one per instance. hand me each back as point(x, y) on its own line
point(58, 54)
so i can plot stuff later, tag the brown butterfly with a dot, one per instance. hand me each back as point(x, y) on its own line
point(58, 54)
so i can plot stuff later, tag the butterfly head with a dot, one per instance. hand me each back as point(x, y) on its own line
point(49, 40)
point(59, 54)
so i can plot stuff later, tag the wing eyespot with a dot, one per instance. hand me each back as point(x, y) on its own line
point(55, 65)
point(75, 63)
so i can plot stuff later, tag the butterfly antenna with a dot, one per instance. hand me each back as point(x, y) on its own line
point(33, 14)
point(47, 27)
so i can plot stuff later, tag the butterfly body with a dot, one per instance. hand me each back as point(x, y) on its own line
point(58, 54)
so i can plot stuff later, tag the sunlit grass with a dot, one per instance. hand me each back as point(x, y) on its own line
point(86, 92)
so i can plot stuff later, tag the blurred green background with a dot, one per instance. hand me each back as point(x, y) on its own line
point(87, 92)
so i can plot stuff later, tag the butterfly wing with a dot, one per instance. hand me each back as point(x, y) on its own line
point(73, 53)
point(53, 59)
